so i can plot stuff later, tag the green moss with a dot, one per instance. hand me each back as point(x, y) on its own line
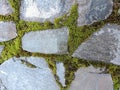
point(77, 35)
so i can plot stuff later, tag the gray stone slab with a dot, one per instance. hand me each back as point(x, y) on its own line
point(7, 31)
point(44, 10)
point(61, 73)
point(1, 48)
point(16, 75)
point(5, 8)
point(51, 41)
point(103, 45)
point(91, 11)
point(90, 79)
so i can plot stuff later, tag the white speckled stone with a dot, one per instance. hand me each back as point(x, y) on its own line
point(51, 41)
point(14, 75)
point(1, 48)
point(61, 73)
point(7, 31)
point(90, 79)
point(91, 11)
point(103, 45)
point(5, 8)
point(44, 10)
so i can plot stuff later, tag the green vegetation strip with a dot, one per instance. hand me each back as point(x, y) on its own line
point(77, 36)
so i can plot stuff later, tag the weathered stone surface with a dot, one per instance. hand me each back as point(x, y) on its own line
point(1, 48)
point(103, 45)
point(42, 10)
point(5, 8)
point(7, 31)
point(91, 79)
point(91, 11)
point(48, 42)
point(61, 73)
point(16, 75)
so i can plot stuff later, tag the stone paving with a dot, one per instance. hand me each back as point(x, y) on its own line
point(34, 72)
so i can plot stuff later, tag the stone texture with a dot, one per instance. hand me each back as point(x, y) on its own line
point(44, 10)
point(19, 74)
point(1, 48)
point(7, 31)
point(61, 73)
point(51, 41)
point(5, 8)
point(91, 78)
point(103, 45)
point(91, 11)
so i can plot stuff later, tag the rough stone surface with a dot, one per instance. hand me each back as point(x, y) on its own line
point(61, 73)
point(16, 75)
point(7, 31)
point(91, 11)
point(44, 10)
point(103, 45)
point(1, 48)
point(91, 79)
point(48, 41)
point(5, 8)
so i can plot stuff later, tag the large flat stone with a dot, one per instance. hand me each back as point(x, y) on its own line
point(103, 45)
point(52, 41)
point(26, 73)
point(7, 31)
point(91, 11)
point(44, 10)
point(5, 8)
point(60, 70)
point(91, 79)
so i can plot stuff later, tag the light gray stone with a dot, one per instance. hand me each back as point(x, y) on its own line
point(44, 10)
point(119, 11)
point(7, 31)
point(91, 11)
point(5, 8)
point(51, 41)
point(16, 75)
point(1, 48)
point(90, 79)
point(103, 45)
point(61, 73)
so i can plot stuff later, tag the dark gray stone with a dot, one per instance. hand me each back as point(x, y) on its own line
point(44, 10)
point(5, 8)
point(91, 11)
point(27, 73)
point(91, 78)
point(51, 41)
point(103, 45)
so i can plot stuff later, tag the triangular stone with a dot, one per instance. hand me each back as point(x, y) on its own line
point(103, 45)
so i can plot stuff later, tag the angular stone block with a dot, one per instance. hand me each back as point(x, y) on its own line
point(7, 31)
point(5, 8)
point(51, 41)
point(27, 73)
point(91, 79)
point(91, 11)
point(103, 45)
point(61, 73)
point(44, 10)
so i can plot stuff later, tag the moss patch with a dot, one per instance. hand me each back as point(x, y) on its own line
point(76, 37)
